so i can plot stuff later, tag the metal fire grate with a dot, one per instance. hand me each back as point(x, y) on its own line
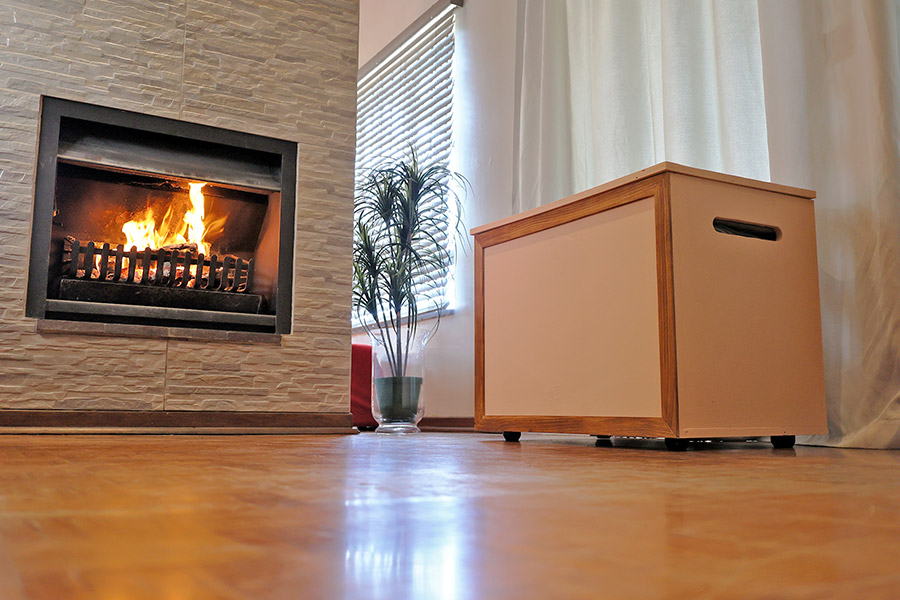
point(166, 267)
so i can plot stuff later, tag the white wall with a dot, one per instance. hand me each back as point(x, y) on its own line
point(483, 153)
point(380, 21)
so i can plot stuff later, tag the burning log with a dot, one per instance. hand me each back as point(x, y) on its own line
point(190, 246)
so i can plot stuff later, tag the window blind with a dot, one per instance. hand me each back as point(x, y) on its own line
point(408, 100)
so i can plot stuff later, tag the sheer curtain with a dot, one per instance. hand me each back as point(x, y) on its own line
point(832, 81)
point(809, 89)
point(635, 83)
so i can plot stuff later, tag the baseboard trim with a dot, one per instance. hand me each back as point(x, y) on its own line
point(176, 431)
point(447, 424)
point(171, 421)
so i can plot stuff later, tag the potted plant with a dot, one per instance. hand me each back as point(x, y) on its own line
point(405, 213)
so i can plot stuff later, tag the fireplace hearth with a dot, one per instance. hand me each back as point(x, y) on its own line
point(150, 221)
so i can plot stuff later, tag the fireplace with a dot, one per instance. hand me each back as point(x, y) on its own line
point(284, 70)
point(144, 220)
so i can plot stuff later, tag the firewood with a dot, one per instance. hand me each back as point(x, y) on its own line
point(183, 246)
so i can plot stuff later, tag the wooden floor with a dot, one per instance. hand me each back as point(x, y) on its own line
point(442, 516)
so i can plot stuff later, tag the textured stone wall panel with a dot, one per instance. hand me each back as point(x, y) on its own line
point(284, 68)
point(80, 372)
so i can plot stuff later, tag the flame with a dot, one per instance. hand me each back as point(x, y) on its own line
point(194, 218)
point(141, 233)
point(144, 233)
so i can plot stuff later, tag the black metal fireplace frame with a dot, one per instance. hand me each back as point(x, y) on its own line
point(190, 136)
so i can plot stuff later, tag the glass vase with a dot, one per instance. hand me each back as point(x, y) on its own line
point(398, 365)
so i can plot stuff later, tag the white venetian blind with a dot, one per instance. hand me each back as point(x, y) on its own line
point(407, 100)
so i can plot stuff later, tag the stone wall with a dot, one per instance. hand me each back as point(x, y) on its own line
point(282, 68)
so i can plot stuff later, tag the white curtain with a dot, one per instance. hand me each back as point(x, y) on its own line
point(608, 87)
point(544, 163)
point(806, 89)
point(832, 82)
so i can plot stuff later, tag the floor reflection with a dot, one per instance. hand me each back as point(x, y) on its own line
point(412, 545)
point(402, 545)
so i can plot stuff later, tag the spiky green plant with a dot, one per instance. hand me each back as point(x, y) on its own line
point(398, 208)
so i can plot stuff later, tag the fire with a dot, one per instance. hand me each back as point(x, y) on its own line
point(144, 233)
point(194, 218)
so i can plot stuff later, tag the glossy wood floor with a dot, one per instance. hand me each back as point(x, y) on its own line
point(442, 516)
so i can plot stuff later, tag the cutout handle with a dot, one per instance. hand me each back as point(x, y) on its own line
point(750, 230)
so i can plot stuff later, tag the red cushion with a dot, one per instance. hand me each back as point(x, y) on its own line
point(361, 386)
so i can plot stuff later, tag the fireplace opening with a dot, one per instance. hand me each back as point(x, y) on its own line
point(149, 221)
point(189, 244)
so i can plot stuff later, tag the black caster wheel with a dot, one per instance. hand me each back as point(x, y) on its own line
point(512, 436)
point(676, 444)
point(783, 441)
